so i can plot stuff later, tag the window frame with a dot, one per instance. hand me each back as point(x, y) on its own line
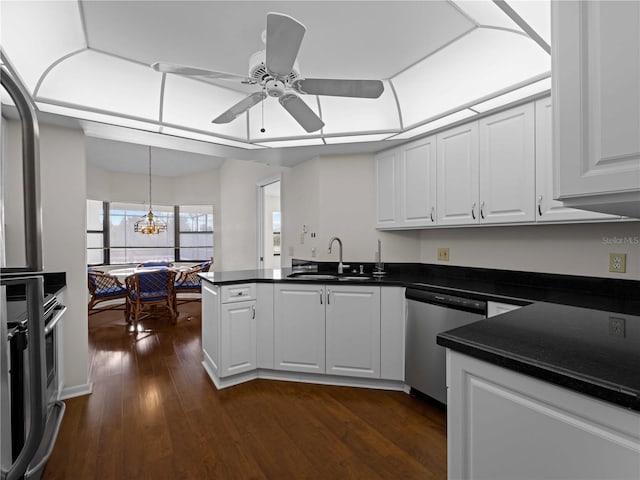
point(176, 247)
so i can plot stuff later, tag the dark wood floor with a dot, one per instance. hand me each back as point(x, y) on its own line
point(155, 414)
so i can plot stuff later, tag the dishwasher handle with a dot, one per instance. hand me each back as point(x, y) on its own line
point(446, 300)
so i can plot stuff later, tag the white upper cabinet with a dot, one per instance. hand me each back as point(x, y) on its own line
point(596, 105)
point(387, 207)
point(548, 209)
point(507, 166)
point(418, 183)
point(457, 166)
point(406, 186)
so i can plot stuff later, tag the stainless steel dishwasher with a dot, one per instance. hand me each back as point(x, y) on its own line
point(430, 313)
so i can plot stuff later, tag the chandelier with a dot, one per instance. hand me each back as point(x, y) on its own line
point(149, 224)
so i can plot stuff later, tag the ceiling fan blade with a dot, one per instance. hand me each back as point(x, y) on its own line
point(339, 88)
point(240, 107)
point(284, 36)
point(301, 112)
point(194, 72)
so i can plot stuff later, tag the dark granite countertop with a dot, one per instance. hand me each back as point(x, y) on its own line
point(595, 352)
point(519, 288)
point(567, 333)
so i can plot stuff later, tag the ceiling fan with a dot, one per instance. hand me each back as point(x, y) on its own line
point(275, 69)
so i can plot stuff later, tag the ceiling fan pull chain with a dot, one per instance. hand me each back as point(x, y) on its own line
point(262, 130)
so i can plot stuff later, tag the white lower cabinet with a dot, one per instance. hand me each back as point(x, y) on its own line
point(238, 338)
point(353, 331)
point(343, 330)
point(229, 329)
point(299, 328)
point(333, 329)
point(505, 425)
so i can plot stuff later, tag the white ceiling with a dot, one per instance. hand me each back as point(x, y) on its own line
point(89, 60)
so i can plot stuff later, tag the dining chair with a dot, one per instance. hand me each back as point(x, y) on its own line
point(189, 282)
point(147, 289)
point(102, 288)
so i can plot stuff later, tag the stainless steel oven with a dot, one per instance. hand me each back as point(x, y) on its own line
point(30, 403)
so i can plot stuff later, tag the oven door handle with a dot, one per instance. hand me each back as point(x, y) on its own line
point(56, 318)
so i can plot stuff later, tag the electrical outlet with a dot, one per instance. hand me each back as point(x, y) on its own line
point(443, 254)
point(617, 327)
point(618, 262)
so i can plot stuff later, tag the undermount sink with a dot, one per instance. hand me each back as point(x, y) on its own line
point(327, 276)
point(313, 276)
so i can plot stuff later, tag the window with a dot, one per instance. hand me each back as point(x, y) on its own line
point(195, 239)
point(95, 233)
point(127, 246)
point(111, 238)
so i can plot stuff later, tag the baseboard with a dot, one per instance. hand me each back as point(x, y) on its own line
point(321, 379)
point(76, 391)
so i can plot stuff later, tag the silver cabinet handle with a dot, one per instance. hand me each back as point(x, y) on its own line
point(254, 312)
point(328, 297)
point(473, 210)
point(540, 205)
point(321, 295)
point(482, 210)
point(432, 212)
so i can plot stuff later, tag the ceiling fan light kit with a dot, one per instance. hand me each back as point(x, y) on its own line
point(275, 69)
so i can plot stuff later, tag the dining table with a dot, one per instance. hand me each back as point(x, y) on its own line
point(122, 273)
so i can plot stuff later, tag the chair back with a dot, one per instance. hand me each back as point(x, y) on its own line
point(155, 264)
point(151, 286)
point(102, 284)
point(189, 280)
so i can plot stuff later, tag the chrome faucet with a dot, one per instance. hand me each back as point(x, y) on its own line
point(340, 264)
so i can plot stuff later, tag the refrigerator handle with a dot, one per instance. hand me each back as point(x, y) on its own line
point(30, 164)
point(37, 377)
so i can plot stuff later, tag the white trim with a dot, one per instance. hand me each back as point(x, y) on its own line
point(302, 377)
point(260, 216)
point(76, 391)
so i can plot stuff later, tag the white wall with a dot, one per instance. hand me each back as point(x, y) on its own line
point(335, 196)
point(575, 249)
point(63, 199)
point(238, 235)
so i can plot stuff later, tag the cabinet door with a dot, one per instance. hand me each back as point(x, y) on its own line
point(548, 209)
point(596, 104)
point(418, 183)
point(353, 331)
point(211, 324)
point(299, 328)
point(507, 166)
point(264, 327)
point(497, 417)
point(393, 312)
point(238, 338)
point(387, 207)
point(457, 170)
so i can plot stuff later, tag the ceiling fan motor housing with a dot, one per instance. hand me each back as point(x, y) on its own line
point(258, 72)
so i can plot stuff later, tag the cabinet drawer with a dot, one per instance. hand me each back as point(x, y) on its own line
point(238, 293)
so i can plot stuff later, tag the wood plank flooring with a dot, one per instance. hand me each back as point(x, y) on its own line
point(154, 414)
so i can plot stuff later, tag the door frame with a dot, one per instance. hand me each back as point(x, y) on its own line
point(260, 217)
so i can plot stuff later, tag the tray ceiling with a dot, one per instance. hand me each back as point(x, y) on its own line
point(440, 61)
